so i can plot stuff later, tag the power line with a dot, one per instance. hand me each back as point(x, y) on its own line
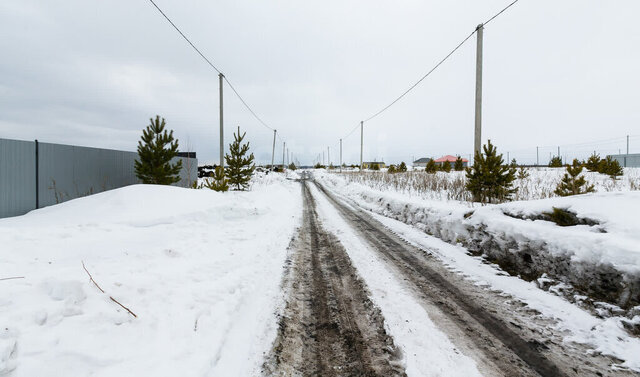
point(184, 36)
point(421, 79)
point(350, 132)
point(211, 64)
point(438, 64)
point(245, 104)
point(499, 13)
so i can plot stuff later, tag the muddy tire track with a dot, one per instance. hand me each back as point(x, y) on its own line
point(505, 350)
point(329, 326)
point(501, 334)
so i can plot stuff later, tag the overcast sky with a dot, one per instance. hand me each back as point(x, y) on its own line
point(91, 73)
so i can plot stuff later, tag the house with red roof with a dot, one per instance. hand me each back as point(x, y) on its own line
point(450, 160)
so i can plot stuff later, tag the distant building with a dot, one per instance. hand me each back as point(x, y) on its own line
point(371, 164)
point(421, 162)
point(449, 159)
point(631, 160)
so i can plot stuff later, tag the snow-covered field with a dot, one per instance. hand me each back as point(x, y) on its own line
point(540, 183)
point(200, 269)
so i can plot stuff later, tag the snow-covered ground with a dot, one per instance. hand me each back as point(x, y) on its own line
point(426, 350)
point(603, 259)
point(200, 269)
point(611, 248)
point(540, 183)
point(606, 336)
point(612, 244)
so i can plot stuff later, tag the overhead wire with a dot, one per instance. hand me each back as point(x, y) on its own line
point(434, 68)
point(212, 65)
point(421, 79)
point(499, 13)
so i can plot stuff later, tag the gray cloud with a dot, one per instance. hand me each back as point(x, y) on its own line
point(93, 72)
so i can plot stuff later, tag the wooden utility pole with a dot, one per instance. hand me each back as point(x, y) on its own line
point(283, 149)
point(477, 141)
point(221, 78)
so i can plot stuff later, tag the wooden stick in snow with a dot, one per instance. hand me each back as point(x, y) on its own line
point(102, 290)
point(13, 277)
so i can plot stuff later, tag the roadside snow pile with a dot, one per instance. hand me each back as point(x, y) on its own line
point(200, 269)
point(608, 336)
point(601, 260)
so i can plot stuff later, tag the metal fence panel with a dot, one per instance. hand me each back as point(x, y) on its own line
point(66, 172)
point(631, 160)
point(17, 177)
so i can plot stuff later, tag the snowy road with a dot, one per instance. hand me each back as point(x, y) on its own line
point(330, 326)
point(356, 292)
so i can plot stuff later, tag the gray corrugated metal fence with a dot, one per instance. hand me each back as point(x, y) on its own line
point(65, 172)
point(631, 160)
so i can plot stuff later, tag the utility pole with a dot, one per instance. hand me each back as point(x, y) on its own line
point(508, 158)
point(361, 142)
point(221, 78)
point(288, 159)
point(328, 157)
point(627, 155)
point(322, 157)
point(558, 151)
point(283, 149)
point(273, 150)
point(537, 157)
point(340, 155)
point(477, 142)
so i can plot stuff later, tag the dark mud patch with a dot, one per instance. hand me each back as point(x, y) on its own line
point(329, 326)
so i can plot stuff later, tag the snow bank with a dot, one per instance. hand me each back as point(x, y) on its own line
point(607, 336)
point(200, 269)
point(604, 266)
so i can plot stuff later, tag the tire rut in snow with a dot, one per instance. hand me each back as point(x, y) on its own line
point(510, 354)
point(329, 327)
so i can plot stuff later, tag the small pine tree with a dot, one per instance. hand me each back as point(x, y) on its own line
point(610, 167)
point(155, 151)
point(445, 167)
point(402, 167)
point(391, 169)
point(431, 167)
point(239, 168)
point(489, 180)
point(292, 166)
point(218, 181)
point(375, 167)
point(556, 162)
point(514, 163)
point(459, 164)
point(523, 173)
point(593, 162)
point(572, 183)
